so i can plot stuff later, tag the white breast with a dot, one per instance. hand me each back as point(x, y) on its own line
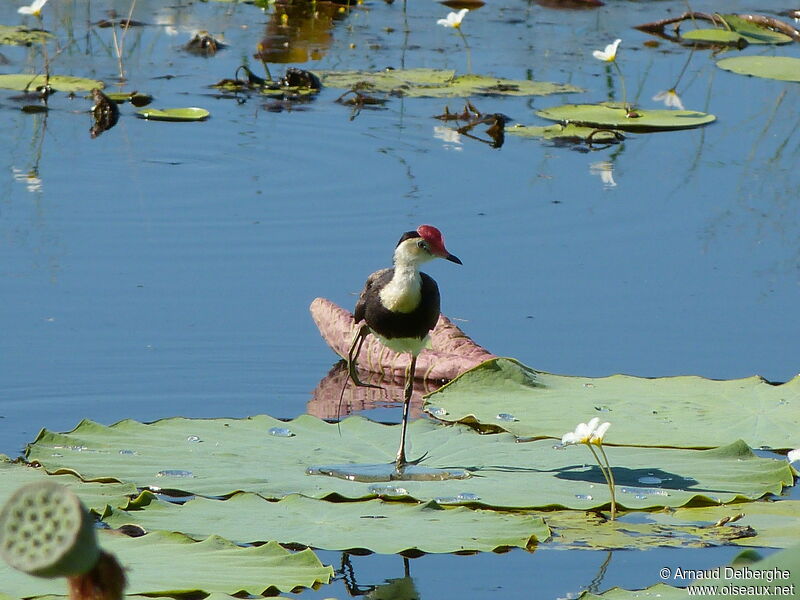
point(404, 292)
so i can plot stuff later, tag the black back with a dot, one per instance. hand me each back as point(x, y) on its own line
point(415, 324)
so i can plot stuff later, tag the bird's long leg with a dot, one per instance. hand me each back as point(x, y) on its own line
point(352, 356)
point(401, 461)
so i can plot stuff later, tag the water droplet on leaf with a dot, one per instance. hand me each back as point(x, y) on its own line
point(506, 417)
point(281, 432)
point(175, 473)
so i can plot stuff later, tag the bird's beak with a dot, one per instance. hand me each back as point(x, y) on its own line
point(453, 258)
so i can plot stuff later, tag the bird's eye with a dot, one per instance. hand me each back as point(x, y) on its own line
point(422, 244)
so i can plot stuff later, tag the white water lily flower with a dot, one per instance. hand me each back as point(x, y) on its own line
point(609, 54)
point(592, 432)
point(34, 9)
point(583, 433)
point(453, 19)
point(793, 456)
point(599, 433)
point(670, 98)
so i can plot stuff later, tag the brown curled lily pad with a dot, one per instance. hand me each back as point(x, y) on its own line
point(174, 114)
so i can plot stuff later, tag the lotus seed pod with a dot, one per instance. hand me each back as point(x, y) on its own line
point(45, 531)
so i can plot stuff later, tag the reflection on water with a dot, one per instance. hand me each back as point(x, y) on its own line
point(299, 32)
point(324, 402)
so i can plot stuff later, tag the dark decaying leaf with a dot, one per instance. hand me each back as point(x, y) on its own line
point(105, 113)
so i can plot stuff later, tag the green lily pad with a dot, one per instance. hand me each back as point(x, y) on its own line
point(575, 530)
point(683, 412)
point(566, 133)
point(616, 117)
point(94, 496)
point(377, 526)
point(62, 83)
point(173, 114)
point(737, 31)
point(434, 83)
point(718, 36)
point(783, 68)
point(755, 33)
point(171, 564)
point(135, 98)
point(777, 524)
point(219, 457)
point(22, 36)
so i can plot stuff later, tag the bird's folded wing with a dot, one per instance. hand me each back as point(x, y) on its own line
point(452, 352)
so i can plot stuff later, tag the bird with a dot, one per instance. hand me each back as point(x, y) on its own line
point(400, 306)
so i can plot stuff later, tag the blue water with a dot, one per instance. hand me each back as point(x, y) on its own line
point(166, 269)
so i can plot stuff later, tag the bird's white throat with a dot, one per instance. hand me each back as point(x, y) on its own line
point(404, 292)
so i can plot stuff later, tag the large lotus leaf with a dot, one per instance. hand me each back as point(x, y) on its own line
point(613, 116)
point(434, 83)
point(732, 582)
point(635, 531)
point(22, 36)
point(218, 457)
point(95, 496)
point(172, 563)
point(566, 133)
point(682, 412)
point(784, 68)
point(777, 524)
point(377, 526)
point(62, 83)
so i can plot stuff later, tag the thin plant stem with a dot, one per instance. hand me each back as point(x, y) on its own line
point(622, 83)
point(45, 57)
point(467, 49)
point(683, 69)
point(119, 44)
point(609, 477)
point(611, 484)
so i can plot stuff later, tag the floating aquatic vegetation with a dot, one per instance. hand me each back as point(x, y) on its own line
point(436, 83)
point(568, 133)
point(61, 83)
point(496, 124)
point(173, 114)
point(23, 36)
point(297, 85)
point(731, 29)
point(783, 68)
point(686, 411)
point(614, 116)
point(373, 525)
point(136, 98)
point(237, 455)
point(105, 113)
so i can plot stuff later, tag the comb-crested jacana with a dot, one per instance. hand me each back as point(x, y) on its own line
point(400, 306)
